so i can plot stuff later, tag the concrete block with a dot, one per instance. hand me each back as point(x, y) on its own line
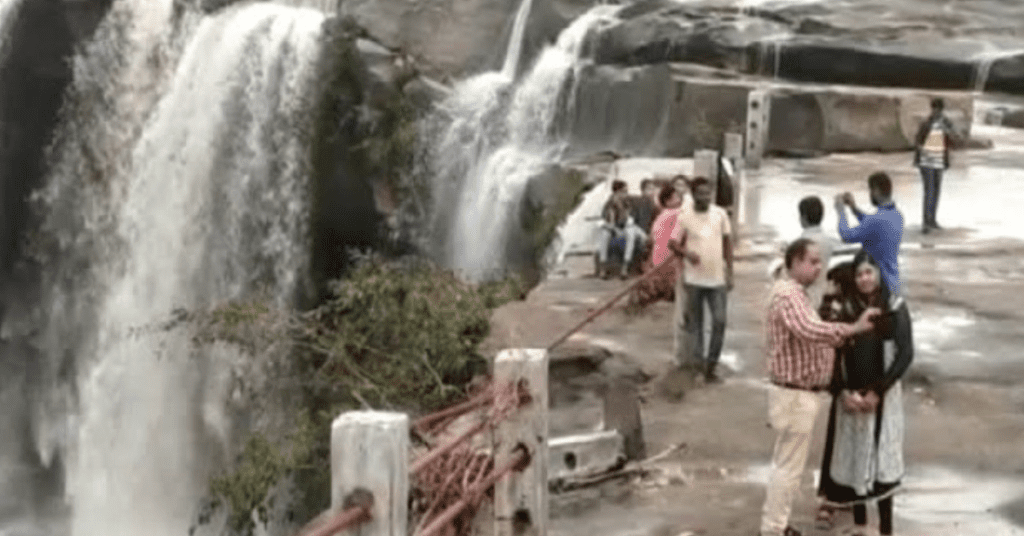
point(622, 413)
point(584, 454)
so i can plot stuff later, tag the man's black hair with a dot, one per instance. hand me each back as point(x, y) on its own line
point(644, 183)
point(797, 250)
point(938, 103)
point(881, 182)
point(698, 181)
point(812, 209)
point(618, 184)
point(666, 193)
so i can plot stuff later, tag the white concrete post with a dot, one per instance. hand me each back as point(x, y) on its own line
point(732, 150)
point(521, 499)
point(370, 449)
point(758, 115)
point(705, 164)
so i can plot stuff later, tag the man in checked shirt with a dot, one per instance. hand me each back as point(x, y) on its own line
point(800, 359)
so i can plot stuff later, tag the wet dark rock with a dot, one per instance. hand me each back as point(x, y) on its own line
point(424, 92)
point(1007, 75)
point(1014, 119)
point(846, 63)
point(34, 74)
point(550, 196)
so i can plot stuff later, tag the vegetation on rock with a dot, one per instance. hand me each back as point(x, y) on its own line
point(395, 336)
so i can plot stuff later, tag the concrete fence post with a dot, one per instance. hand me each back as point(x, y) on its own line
point(732, 150)
point(521, 499)
point(705, 164)
point(758, 118)
point(370, 449)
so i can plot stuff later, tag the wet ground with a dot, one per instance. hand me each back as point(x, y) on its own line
point(964, 396)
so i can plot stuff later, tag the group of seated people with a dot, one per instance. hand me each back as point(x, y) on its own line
point(626, 238)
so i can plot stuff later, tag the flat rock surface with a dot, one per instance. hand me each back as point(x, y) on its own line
point(964, 396)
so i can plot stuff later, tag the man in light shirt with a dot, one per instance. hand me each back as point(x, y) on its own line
point(800, 361)
point(703, 239)
point(811, 211)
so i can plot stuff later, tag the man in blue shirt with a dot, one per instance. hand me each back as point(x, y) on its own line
point(880, 233)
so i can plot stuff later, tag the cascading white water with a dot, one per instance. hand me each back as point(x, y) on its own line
point(515, 43)
point(8, 14)
point(983, 66)
point(210, 203)
point(498, 135)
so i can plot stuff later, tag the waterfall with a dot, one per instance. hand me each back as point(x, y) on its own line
point(515, 41)
point(8, 14)
point(496, 135)
point(983, 66)
point(769, 57)
point(206, 200)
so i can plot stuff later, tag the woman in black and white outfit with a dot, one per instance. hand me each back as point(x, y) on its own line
point(863, 459)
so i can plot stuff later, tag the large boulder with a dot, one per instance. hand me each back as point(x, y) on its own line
point(831, 119)
point(454, 38)
point(652, 111)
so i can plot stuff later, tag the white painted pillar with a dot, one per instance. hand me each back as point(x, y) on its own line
point(521, 499)
point(370, 449)
point(705, 164)
point(758, 116)
point(732, 150)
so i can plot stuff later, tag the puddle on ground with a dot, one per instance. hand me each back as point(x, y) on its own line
point(934, 501)
point(934, 327)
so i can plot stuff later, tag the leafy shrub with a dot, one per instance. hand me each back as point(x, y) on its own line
point(395, 336)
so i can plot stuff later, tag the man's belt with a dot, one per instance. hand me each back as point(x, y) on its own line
point(788, 385)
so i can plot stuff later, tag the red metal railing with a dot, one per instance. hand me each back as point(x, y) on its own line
point(517, 462)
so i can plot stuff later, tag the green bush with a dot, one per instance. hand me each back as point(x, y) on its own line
point(401, 337)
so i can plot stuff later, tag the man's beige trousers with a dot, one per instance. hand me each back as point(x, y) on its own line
point(791, 412)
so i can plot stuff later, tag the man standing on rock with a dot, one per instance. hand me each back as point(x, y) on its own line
point(931, 156)
point(800, 361)
point(703, 238)
point(881, 233)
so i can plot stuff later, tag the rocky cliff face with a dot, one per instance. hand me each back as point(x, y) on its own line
point(456, 39)
point(907, 43)
point(33, 77)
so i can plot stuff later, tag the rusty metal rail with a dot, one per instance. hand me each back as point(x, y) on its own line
point(608, 305)
point(436, 453)
point(459, 409)
point(358, 509)
point(516, 462)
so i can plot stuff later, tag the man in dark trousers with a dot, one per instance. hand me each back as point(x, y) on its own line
point(932, 158)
